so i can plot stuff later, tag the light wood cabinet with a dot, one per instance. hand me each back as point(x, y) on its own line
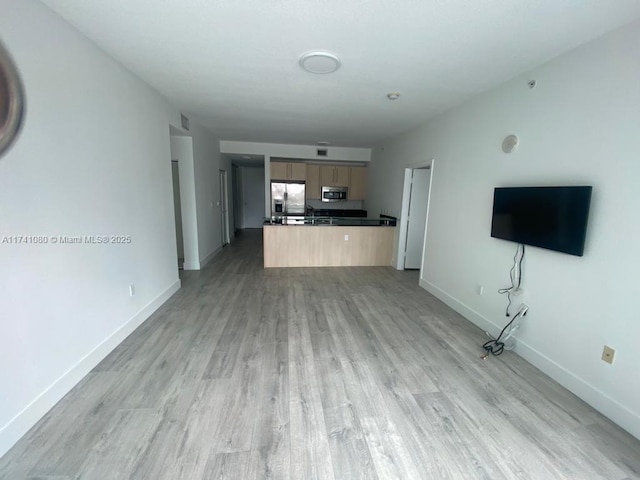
point(288, 171)
point(358, 183)
point(308, 246)
point(298, 171)
point(279, 170)
point(313, 182)
point(334, 176)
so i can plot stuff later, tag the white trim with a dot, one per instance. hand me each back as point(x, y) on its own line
point(403, 223)
point(205, 261)
point(191, 265)
point(599, 400)
point(39, 406)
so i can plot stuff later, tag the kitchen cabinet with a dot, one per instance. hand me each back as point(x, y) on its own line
point(357, 183)
point(313, 182)
point(334, 176)
point(288, 171)
point(309, 246)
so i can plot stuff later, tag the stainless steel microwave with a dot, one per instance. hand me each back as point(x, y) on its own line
point(334, 194)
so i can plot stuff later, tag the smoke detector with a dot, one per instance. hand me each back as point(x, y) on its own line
point(320, 62)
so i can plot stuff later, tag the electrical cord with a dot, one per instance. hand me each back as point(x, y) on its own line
point(514, 273)
point(496, 346)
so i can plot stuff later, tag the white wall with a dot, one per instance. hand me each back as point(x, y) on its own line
point(208, 163)
point(299, 152)
point(200, 163)
point(93, 159)
point(580, 125)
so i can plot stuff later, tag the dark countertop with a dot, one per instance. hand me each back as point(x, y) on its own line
point(332, 221)
point(336, 212)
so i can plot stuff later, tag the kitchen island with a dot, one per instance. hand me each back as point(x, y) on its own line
point(327, 242)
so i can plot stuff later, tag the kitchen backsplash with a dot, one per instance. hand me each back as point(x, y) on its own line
point(345, 205)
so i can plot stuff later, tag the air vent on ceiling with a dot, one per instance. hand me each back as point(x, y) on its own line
point(322, 152)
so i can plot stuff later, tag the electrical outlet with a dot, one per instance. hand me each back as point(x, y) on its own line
point(346, 237)
point(608, 354)
point(132, 290)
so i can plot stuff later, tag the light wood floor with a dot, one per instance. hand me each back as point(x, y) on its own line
point(327, 373)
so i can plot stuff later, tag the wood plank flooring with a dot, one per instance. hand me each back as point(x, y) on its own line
point(315, 373)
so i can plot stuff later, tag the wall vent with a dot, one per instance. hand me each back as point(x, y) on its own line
point(185, 122)
point(322, 152)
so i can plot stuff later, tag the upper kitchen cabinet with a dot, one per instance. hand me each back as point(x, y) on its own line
point(288, 171)
point(313, 182)
point(358, 183)
point(334, 176)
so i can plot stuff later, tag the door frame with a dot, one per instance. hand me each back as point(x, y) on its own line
point(404, 212)
point(181, 149)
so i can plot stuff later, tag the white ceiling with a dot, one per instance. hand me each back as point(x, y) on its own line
point(234, 63)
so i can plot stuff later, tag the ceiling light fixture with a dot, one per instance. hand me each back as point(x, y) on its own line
point(319, 62)
point(393, 95)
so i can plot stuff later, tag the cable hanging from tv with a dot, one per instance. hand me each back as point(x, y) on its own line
point(496, 346)
point(515, 275)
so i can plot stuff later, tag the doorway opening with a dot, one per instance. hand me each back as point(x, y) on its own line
point(177, 211)
point(414, 217)
point(224, 208)
point(184, 199)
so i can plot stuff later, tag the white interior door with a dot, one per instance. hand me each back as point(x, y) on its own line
point(417, 218)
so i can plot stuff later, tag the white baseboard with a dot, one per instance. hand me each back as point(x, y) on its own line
point(39, 406)
point(618, 413)
point(208, 258)
point(191, 266)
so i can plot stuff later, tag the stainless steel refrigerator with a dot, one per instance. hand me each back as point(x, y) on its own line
point(287, 198)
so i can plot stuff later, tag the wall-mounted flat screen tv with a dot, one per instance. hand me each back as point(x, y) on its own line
point(548, 217)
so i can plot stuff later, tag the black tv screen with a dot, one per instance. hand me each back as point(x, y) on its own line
point(548, 217)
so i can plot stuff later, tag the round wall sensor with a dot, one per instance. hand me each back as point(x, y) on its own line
point(509, 143)
point(11, 101)
point(319, 62)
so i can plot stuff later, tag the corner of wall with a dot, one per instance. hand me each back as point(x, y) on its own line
point(34, 411)
point(590, 394)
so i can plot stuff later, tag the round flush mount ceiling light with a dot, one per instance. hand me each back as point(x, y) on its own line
point(509, 143)
point(393, 95)
point(319, 62)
